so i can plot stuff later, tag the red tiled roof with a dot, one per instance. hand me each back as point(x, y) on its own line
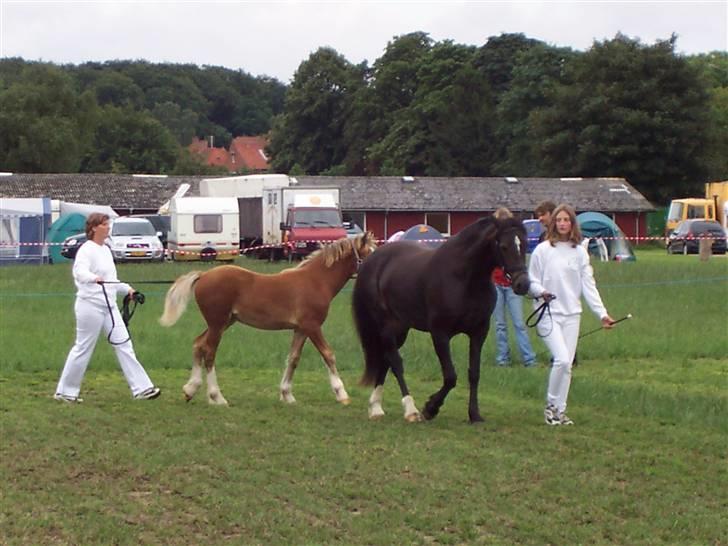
point(246, 152)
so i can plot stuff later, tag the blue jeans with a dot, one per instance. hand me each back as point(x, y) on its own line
point(508, 298)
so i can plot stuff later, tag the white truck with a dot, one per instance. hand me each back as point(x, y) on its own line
point(203, 228)
point(278, 217)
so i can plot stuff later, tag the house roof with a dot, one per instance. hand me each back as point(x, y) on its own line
point(125, 191)
point(481, 194)
point(245, 152)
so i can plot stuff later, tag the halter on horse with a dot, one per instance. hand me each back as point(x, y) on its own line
point(446, 291)
point(295, 299)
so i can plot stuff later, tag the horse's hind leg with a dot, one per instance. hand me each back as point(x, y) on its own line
point(391, 354)
point(195, 381)
point(205, 350)
point(337, 385)
point(294, 355)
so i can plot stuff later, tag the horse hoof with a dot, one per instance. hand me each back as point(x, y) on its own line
point(288, 398)
point(345, 401)
point(413, 417)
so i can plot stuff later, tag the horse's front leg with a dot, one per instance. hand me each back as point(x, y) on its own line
point(294, 355)
point(476, 347)
point(449, 376)
point(337, 385)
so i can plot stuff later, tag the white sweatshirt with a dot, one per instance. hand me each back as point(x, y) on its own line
point(92, 261)
point(564, 271)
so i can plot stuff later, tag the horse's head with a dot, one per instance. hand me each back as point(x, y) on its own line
point(362, 246)
point(511, 243)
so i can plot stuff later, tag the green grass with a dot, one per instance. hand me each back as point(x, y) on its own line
point(645, 464)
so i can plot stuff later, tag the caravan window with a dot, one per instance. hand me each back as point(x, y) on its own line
point(208, 223)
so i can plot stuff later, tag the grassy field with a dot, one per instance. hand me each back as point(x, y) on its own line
point(645, 463)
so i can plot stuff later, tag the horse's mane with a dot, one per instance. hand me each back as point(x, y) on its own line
point(330, 253)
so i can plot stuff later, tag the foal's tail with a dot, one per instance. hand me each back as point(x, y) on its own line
point(367, 327)
point(177, 298)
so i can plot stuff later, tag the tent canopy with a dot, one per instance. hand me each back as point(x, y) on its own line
point(65, 226)
point(596, 226)
point(423, 232)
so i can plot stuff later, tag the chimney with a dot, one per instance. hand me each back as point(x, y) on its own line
point(212, 141)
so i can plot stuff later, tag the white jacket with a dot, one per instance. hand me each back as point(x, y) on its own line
point(92, 261)
point(564, 271)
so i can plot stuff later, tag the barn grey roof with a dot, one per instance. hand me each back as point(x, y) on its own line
point(481, 194)
point(134, 192)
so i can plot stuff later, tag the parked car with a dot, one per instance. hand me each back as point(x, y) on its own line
point(161, 222)
point(352, 230)
point(685, 239)
point(134, 239)
point(71, 244)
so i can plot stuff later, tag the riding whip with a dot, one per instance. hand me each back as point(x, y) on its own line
point(590, 332)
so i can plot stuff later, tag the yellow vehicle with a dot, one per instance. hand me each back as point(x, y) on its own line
point(710, 207)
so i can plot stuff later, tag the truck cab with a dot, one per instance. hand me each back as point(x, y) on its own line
point(688, 209)
point(311, 220)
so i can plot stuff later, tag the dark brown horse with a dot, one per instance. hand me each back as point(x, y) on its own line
point(295, 299)
point(445, 291)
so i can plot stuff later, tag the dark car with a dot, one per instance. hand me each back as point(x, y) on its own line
point(686, 237)
point(71, 245)
point(161, 223)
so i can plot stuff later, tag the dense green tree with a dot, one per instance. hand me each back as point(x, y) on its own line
point(446, 129)
point(311, 130)
point(181, 123)
point(497, 57)
point(535, 72)
point(117, 89)
point(130, 141)
point(713, 68)
point(44, 124)
point(628, 110)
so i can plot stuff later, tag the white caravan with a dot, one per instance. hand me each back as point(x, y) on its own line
point(204, 228)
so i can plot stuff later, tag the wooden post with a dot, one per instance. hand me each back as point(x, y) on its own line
point(705, 248)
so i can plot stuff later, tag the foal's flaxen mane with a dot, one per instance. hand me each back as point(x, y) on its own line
point(332, 252)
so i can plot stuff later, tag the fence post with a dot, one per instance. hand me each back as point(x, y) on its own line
point(705, 248)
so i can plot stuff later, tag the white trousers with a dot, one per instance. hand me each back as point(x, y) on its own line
point(560, 334)
point(91, 318)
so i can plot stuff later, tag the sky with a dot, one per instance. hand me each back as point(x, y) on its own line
point(272, 38)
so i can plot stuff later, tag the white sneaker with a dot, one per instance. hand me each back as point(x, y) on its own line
point(67, 399)
point(551, 415)
point(149, 394)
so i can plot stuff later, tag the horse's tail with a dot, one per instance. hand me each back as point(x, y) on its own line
point(368, 330)
point(177, 298)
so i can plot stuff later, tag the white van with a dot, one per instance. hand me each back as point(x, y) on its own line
point(203, 228)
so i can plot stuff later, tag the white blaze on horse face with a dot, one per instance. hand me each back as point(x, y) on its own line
point(517, 242)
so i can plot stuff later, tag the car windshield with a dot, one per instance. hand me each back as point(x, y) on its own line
point(129, 229)
point(317, 217)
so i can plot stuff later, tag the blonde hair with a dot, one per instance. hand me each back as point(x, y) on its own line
point(94, 219)
point(552, 235)
point(502, 213)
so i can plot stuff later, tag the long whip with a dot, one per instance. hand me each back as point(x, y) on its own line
point(590, 332)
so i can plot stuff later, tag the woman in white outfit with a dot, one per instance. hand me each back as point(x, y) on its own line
point(94, 264)
point(560, 272)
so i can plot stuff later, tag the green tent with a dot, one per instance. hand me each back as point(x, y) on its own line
point(599, 228)
point(65, 226)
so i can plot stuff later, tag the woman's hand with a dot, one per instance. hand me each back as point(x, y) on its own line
point(607, 322)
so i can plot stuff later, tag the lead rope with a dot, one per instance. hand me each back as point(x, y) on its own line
point(539, 312)
point(126, 313)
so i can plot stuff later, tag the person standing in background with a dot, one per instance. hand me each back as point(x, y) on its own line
point(507, 299)
point(543, 213)
point(561, 274)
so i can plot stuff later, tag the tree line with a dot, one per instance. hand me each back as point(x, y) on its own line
point(125, 116)
point(514, 106)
